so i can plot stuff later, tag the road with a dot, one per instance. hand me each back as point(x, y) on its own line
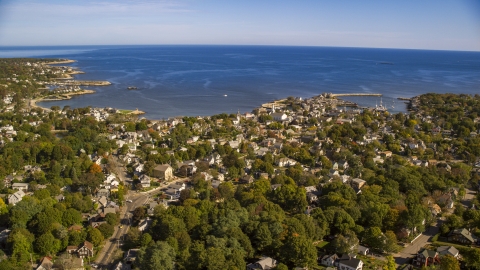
point(105, 256)
point(411, 251)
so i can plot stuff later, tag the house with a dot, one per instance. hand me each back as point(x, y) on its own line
point(448, 250)
point(247, 179)
point(83, 250)
point(347, 262)
point(145, 224)
point(45, 264)
point(461, 235)
point(279, 116)
point(312, 193)
point(216, 183)
point(131, 256)
point(362, 250)
point(103, 201)
point(163, 171)
point(357, 184)
point(16, 197)
point(20, 186)
point(285, 162)
point(446, 200)
point(187, 167)
point(144, 181)
point(435, 209)
point(103, 192)
point(110, 178)
point(329, 260)
point(426, 258)
point(263, 264)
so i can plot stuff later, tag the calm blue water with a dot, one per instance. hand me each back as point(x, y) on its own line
point(193, 80)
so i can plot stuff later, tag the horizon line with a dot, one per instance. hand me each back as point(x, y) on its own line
point(243, 45)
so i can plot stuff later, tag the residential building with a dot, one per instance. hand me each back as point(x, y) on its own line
point(163, 172)
point(263, 264)
point(16, 197)
point(426, 258)
point(347, 262)
point(448, 250)
point(461, 235)
point(20, 186)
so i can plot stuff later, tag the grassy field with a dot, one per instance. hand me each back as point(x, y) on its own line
point(125, 111)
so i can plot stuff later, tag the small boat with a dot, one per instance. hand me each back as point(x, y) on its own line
point(132, 88)
point(224, 95)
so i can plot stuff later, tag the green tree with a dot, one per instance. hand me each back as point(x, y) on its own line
point(448, 262)
point(215, 259)
point(145, 240)
point(390, 263)
point(472, 258)
point(390, 244)
point(281, 266)
point(112, 219)
point(298, 250)
point(346, 243)
point(46, 244)
point(160, 255)
point(71, 217)
point(22, 247)
point(95, 236)
point(106, 230)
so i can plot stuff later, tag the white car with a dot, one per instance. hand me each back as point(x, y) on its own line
point(129, 200)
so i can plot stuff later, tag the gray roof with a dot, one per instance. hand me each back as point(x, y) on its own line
point(352, 262)
point(465, 233)
point(429, 253)
point(447, 250)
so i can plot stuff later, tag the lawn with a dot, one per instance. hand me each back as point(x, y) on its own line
point(457, 246)
point(125, 111)
point(322, 244)
point(371, 262)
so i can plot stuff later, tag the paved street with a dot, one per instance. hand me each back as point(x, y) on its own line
point(410, 251)
point(111, 245)
point(105, 256)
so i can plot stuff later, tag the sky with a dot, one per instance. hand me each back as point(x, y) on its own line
point(412, 24)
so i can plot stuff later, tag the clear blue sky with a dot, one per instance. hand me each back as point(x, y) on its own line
point(420, 24)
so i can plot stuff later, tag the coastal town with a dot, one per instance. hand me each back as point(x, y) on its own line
point(315, 183)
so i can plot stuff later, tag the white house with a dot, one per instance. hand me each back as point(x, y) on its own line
point(20, 186)
point(349, 263)
point(16, 197)
point(279, 116)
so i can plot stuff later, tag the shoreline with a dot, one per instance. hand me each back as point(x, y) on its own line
point(70, 81)
point(59, 97)
point(67, 96)
point(73, 82)
point(64, 61)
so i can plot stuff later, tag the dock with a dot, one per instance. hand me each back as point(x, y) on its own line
point(356, 94)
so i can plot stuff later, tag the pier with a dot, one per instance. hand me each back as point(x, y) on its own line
point(356, 94)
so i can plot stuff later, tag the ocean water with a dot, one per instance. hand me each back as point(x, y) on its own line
point(207, 80)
